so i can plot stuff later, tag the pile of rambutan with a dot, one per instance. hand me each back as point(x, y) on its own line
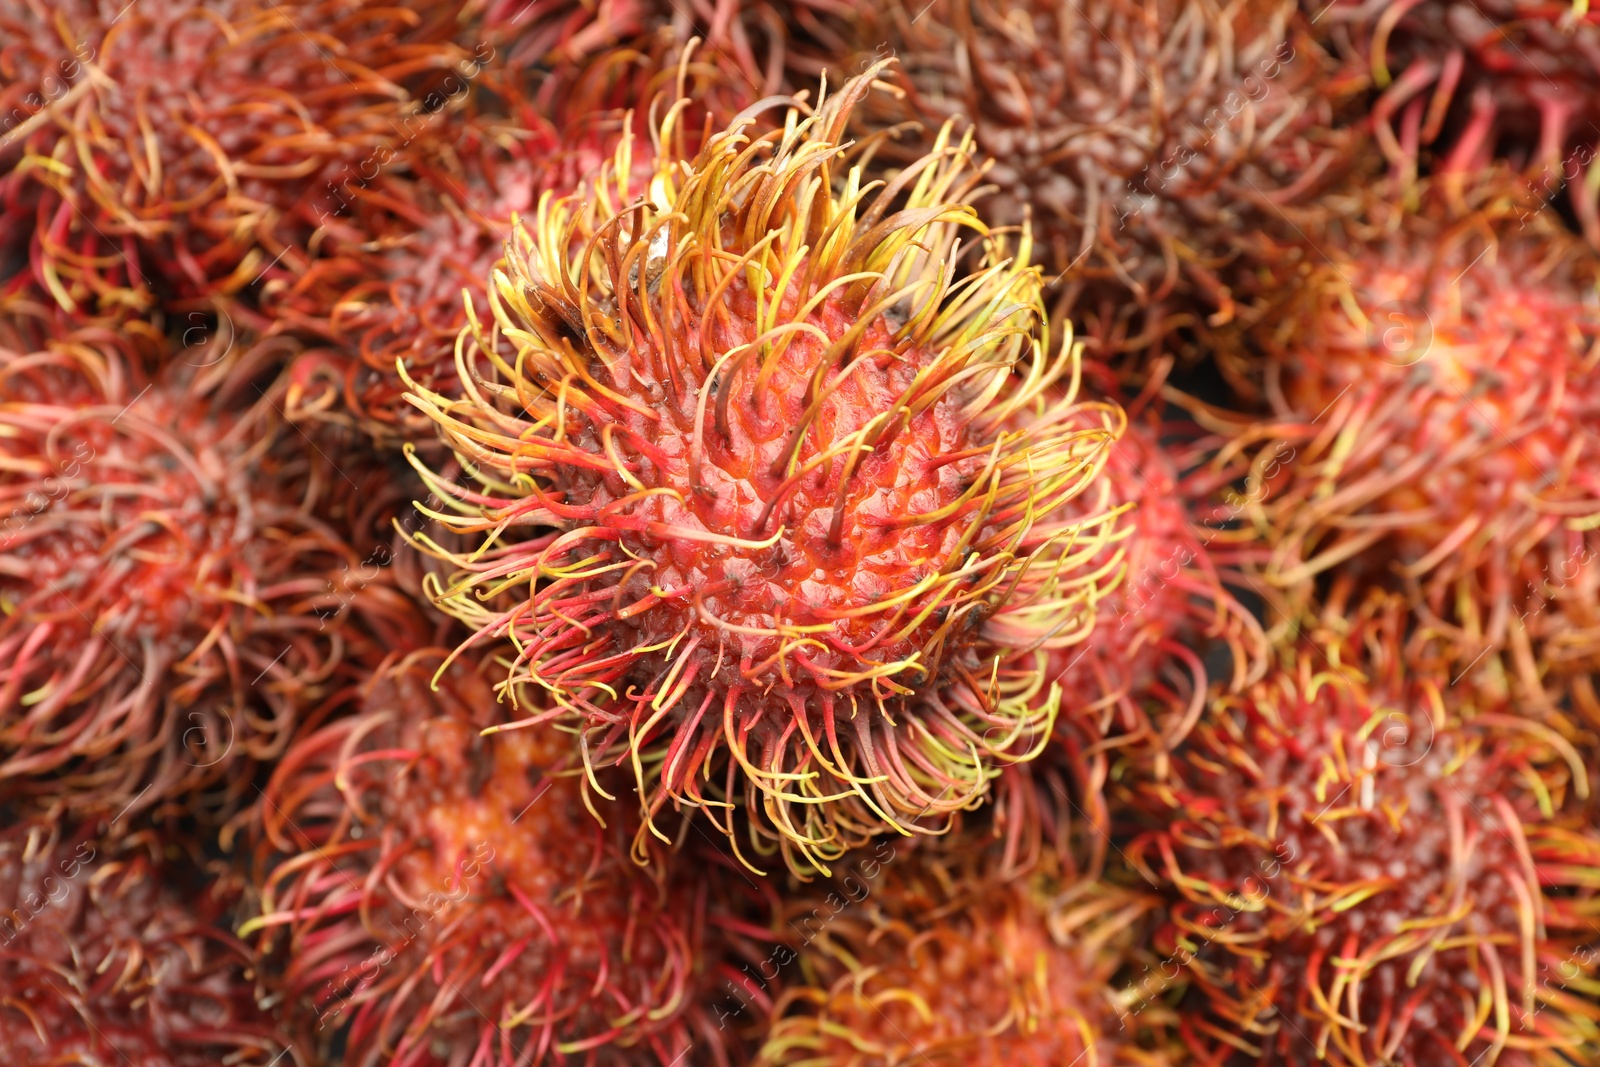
point(728, 532)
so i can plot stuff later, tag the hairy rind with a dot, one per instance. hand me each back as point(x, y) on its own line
point(1431, 370)
point(116, 953)
point(173, 585)
point(1357, 850)
point(945, 953)
point(196, 148)
point(602, 314)
point(425, 890)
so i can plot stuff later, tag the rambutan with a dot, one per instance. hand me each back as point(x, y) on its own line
point(1173, 599)
point(923, 955)
point(112, 955)
point(770, 433)
point(456, 897)
point(1371, 866)
point(1138, 137)
point(391, 288)
point(747, 38)
point(1434, 386)
point(1460, 85)
point(181, 148)
point(171, 599)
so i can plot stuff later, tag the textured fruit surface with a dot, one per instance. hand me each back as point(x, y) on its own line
point(1372, 866)
point(446, 895)
point(111, 957)
point(794, 463)
point(925, 955)
point(171, 598)
point(181, 149)
point(1460, 85)
point(1138, 137)
point(392, 280)
point(1435, 391)
point(1141, 678)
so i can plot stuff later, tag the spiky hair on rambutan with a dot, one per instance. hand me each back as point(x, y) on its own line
point(1433, 384)
point(171, 598)
point(179, 149)
point(1142, 681)
point(431, 895)
point(922, 954)
point(1139, 137)
point(392, 290)
point(747, 38)
point(111, 952)
point(1372, 866)
point(750, 505)
point(1459, 85)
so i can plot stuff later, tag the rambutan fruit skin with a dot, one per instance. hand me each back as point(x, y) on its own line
point(112, 955)
point(1460, 85)
point(746, 42)
point(172, 599)
point(769, 430)
point(1435, 398)
point(921, 954)
point(1140, 139)
point(418, 870)
point(1140, 677)
point(192, 146)
point(1372, 866)
point(392, 284)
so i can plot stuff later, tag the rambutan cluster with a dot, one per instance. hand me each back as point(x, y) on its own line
point(1373, 867)
point(171, 598)
point(109, 956)
point(797, 652)
point(792, 494)
point(439, 895)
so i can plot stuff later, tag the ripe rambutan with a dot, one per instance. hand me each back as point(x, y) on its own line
point(180, 148)
point(452, 896)
point(1139, 137)
point(391, 286)
point(1173, 598)
point(170, 597)
point(1434, 386)
point(112, 955)
point(771, 434)
point(1374, 867)
point(1462, 84)
point(923, 955)
point(747, 38)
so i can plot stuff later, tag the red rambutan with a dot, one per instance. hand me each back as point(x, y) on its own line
point(180, 148)
point(455, 897)
point(747, 38)
point(1374, 867)
point(1139, 137)
point(392, 287)
point(772, 435)
point(1435, 392)
point(111, 955)
point(922, 955)
point(170, 597)
point(1461, 84)
point(1172, 599)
